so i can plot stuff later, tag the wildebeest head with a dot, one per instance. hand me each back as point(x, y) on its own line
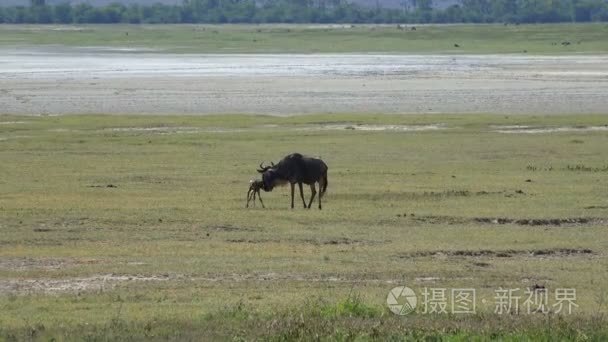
point(270, 177)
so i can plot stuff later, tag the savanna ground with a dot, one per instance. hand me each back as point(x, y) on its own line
point(135, 227)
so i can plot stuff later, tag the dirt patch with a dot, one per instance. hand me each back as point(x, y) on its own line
point(374, 128)
point(102, 283)
point(329, 278)
point(136, 263)
point(72, 285)
point(429, 195)
point(597, 207)
point(22, 264)
point(458, 193)
point(574, 168)
point(540, 130)
point(12, 122)
point(316, 242)
point(540, 222)
point(554, 252)
point(575, 221)
point(261, 128)
point(158, 129)
point(341, 241)
point(253, 241)
point(14, 137)
point(481, 264)
point(427, 279)
point(535, 168)
point(432, 219)
point(229, 228)
point(103, 186)
point(57, 28)
point(585, 168)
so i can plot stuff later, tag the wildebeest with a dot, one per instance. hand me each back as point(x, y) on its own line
point(254, 189)
point(296, 168)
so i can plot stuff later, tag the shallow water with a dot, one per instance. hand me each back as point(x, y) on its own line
point(108, 62)
point(60, 80)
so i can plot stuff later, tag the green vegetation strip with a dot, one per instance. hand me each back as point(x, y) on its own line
point(553, 39)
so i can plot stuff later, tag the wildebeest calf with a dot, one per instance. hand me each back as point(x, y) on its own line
point(254, 189)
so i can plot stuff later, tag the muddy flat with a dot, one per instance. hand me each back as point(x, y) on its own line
point(57, 81)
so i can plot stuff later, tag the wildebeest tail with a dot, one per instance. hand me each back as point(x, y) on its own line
point(324, 184)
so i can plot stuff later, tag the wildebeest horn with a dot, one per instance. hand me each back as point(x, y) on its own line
point(262, 168)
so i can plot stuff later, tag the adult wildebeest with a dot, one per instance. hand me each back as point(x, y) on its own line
point(296, 168)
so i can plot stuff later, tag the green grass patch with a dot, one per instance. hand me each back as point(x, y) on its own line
point(554, 39)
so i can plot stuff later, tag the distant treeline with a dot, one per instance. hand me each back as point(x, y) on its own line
point(311, 11)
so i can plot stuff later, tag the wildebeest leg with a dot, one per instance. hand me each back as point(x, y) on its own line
point(322, 184)
point(292, 188)
point(312, 196)
point(248, 198)
point(260, 197)
point(302, 194)
point(320, 201)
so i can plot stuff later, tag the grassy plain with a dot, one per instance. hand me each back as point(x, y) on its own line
point(136, 227)
point(475, 39)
